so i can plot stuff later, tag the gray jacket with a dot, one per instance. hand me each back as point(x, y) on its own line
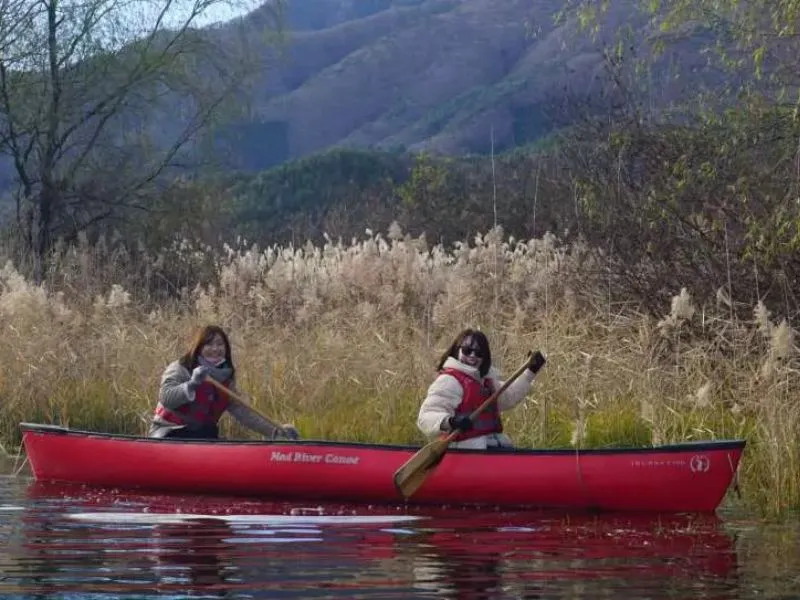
point(174, 392)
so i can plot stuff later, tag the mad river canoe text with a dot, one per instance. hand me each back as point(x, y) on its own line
point(307, 457)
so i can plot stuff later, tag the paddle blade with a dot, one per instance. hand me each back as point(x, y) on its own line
point(409, 477)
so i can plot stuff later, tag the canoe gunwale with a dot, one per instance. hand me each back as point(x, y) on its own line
point(697, 446)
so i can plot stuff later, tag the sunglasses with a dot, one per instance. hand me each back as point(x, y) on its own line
point(467, 351)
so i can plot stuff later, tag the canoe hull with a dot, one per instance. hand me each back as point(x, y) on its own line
point(690, 477)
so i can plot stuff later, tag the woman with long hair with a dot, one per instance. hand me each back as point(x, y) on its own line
point(190, 407)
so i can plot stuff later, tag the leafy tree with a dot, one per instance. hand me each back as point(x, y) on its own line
point(755, 43)
point(759, 34)
point(338, 192)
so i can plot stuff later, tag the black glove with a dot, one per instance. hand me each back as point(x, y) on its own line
point(460, 422)
point(536, 361)
point(289, 432)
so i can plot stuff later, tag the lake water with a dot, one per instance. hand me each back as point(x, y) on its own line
point(76, 542)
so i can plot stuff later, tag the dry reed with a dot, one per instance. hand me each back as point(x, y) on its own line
point(341, 339)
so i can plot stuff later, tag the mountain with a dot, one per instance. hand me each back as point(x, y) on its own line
point(447, 76)
point(453, 77)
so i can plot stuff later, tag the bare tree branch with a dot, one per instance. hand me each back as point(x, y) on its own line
point(109, 104)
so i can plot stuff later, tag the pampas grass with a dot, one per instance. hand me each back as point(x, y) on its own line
point(342, 339)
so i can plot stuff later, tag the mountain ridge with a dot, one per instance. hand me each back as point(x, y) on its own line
point(452, 77)
point(445, 76)
point(395, 78)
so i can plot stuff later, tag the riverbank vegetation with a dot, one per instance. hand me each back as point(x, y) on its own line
point(342, 338)
point(648, 247)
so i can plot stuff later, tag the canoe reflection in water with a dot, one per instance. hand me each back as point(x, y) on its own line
point(461, 575)
point(220, 547)
point(118, 556)
point(218, 556)
point(555, 555)
point(193, 555)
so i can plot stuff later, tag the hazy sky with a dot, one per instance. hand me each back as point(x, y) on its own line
point(223, 13)
point(216, 11)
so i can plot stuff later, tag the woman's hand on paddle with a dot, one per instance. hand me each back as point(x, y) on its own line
point(536, 361)
point(460, 422)
point(289, 432)
point(198, 375)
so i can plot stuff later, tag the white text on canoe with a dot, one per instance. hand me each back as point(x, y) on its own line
point(308, 457)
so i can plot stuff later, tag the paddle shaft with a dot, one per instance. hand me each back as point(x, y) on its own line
point(412, 474)
point(238, 398)
point(491, 398)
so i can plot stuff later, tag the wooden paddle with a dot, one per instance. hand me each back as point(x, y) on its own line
point(413, 473)
point(238, 398)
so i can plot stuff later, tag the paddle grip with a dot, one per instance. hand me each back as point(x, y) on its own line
point(491, 398)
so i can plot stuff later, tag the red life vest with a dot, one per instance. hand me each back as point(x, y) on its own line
point(475, 394)
point(207, 408)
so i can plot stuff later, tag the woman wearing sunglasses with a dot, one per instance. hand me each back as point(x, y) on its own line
point(466, 378)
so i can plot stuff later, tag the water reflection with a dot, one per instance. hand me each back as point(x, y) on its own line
point(167, 558)
point(75, 539)
point(557, 556)
point(213, 547)
point(193, 555)
point(461, 575)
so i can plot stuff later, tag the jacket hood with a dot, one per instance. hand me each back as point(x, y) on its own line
point(454, 363)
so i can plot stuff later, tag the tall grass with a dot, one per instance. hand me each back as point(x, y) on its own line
point(342, 339)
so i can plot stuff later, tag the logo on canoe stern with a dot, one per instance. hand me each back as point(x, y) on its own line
point(328, 458)
point(700, 463)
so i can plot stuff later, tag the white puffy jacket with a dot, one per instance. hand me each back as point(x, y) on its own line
point(445, 394)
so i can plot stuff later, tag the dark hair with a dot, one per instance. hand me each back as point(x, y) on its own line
point(483, 343)
point(201, 338)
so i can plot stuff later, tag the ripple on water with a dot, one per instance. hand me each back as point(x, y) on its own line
point(80, 542)
point(132, 517)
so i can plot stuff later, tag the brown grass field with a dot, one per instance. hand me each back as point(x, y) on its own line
point(342, 340)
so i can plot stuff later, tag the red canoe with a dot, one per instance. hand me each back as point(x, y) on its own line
point(684, 477)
